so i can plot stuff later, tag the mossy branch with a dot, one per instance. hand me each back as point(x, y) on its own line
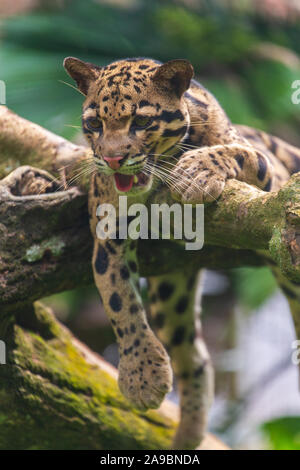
point(25, 143)
point(57, 394)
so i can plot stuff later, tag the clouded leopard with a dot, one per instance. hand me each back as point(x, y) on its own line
point(155, 132)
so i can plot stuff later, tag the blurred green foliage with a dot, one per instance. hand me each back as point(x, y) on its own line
point(283, 433)
point(218, 41)
point(253, 285)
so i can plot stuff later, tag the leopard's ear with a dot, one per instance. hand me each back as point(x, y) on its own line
point(84, 73)
point(174, 76)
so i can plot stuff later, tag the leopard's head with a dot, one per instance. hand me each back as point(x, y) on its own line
point(134, 115)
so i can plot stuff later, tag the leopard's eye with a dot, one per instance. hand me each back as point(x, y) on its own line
point(141, 121)
point(94, 124)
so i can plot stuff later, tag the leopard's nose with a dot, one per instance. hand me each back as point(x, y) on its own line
point(113, 162)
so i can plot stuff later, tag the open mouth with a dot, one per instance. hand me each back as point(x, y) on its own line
point(125, 183)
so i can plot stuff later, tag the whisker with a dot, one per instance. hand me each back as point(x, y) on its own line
point(168, 177)
point(192, 182)
point(88, 169)
point(72, 86)
point(165, 179)
point(183, 183)
point(71, 125)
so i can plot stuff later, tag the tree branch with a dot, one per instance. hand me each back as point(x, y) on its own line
point(25, 143)
point(57, 394)
point(46, 244)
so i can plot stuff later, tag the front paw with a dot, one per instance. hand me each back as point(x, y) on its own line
point(197, 186)
point(145, 374)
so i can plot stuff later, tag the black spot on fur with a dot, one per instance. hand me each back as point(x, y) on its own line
point(110, 248)
point(296, 162)
point(178, 336)
point(273, 146)
point(182, 304)
point(165, 290)
point(268, 185)
point(133, 309)
point(199, 371)
point(144, 103)
point(101, 263)
point(240, 160)
point(154, 128)
point(124, 273)
point(262, 167)
point(96, 192)
point(174, 132)
point(133, 266)
point(120, 332)
point(159, 320)
point(196, 101)
point(169, 116)
point(115, 302)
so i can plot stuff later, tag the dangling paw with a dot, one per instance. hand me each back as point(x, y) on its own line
point(145, 374)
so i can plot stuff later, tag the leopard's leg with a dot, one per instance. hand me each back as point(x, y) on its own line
point(116, 276)
point(200, 174)
point(175, 309)
point(145, 374)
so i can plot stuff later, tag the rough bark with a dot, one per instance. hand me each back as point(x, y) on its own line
point(25, 143)
point(49, 388)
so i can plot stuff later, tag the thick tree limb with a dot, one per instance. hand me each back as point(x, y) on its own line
point(46, 244)
point(56, 394)
point(244, 217)
point(25, 143)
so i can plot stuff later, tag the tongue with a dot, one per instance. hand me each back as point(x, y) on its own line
point(123, 182)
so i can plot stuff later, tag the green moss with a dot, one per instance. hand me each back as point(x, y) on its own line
point(36, 252)
point(60, 401)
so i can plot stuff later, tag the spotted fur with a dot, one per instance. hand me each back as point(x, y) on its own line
point(156, 132)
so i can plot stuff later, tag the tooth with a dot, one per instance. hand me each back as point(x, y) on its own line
point(135, 179)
